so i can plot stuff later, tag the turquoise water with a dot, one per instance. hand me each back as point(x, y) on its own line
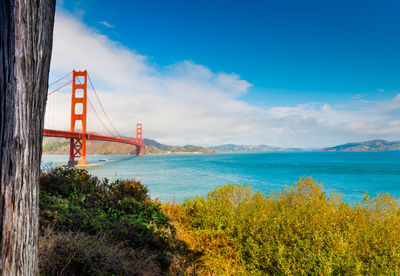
point(175, 177)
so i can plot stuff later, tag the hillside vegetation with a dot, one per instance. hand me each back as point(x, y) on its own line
point(93, 227)
point(61, 146)
point(55, 146)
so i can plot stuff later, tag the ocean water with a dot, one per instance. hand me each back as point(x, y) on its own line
point(175, 177)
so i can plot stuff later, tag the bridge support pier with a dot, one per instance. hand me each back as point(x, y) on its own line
point(77, 148)
point(82, 161)
point(139, 150)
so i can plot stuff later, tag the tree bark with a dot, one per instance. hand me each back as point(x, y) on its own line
point(26, 35)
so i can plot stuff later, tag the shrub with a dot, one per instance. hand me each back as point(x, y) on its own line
point(70, 182)
point(82, 210)
point(69, 253)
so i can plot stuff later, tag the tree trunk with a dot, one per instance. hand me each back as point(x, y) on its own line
point(26, 35)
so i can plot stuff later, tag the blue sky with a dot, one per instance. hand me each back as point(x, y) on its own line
point(307, 50)
point(296, 56)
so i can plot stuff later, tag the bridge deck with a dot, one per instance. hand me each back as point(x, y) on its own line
point(89, 136)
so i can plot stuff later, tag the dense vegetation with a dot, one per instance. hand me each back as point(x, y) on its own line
point(95, 227)
point(299, 231)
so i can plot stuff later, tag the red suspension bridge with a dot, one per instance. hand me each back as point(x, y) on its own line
point(77, 132)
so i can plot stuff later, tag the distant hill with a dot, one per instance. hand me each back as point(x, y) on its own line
point(151, 142)
point(249, 148)
point(372, 145)
point(154, 147)
point(61, 146)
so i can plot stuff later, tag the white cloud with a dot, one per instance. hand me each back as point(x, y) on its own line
point(188, 103)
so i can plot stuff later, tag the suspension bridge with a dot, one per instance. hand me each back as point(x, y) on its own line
point(57, 117)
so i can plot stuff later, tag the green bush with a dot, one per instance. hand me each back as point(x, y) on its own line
point(72, 201)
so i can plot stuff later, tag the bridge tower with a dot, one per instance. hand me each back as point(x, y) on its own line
point(79, 100)
point(139, 139)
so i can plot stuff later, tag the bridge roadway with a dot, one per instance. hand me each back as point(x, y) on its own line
point(89, 136)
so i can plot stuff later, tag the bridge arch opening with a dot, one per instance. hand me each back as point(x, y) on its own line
point(78, 126)
point(79, 108)
point(79, 79)
point(79, 93)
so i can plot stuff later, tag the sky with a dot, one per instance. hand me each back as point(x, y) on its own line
point(282, 73)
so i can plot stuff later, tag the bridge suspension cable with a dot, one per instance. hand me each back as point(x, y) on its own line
point(60, 79)
point(98, 117)
point(59, 88)
point(97, 114)
point(56, 108)
point(115, 133)
point(102, 107)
